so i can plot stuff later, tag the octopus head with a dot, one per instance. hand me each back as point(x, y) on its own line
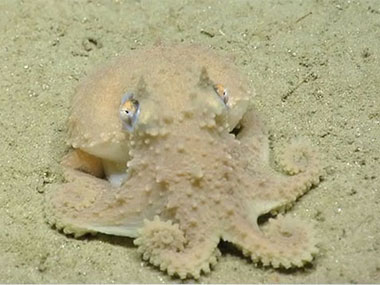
point(205, 104)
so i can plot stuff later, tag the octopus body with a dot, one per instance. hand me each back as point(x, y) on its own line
point(167, 149)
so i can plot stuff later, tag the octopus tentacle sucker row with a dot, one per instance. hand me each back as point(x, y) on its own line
point(167, 149)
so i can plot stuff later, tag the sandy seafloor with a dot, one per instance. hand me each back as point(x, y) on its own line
point(315, 66)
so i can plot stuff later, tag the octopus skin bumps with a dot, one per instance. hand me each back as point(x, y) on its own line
point(168, 149)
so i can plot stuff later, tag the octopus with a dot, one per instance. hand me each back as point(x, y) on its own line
point(167, 149)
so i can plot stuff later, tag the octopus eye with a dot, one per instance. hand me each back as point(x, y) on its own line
point(221, 92)
point(129, 111)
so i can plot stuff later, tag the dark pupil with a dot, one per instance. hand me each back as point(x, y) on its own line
point(126, 111)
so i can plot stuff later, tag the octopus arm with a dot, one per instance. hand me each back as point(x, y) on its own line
point(166, 246)
point(277, 192)
point(86, 204)
point(282, 242)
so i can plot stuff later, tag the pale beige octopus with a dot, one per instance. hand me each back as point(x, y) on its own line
point(168, 150)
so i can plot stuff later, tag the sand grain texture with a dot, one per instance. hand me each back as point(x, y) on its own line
point(313, 64)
